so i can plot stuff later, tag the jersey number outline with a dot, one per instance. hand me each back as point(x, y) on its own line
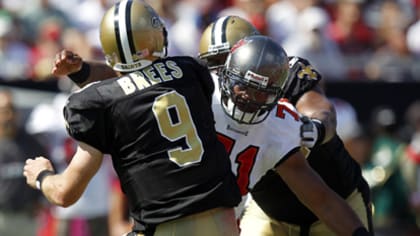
point(246, 158)
point(179, 128)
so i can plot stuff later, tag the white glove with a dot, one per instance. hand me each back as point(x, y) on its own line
point(312, 132)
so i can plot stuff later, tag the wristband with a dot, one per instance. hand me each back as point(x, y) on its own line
point(321, 130)
point(41, 177)
point(82, 75)
point(361, 231)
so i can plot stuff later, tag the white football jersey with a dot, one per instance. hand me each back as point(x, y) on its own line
point(255, 149)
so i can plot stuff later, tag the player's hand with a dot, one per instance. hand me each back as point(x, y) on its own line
point(33, 167)
point(310, 132)
point(66, 62)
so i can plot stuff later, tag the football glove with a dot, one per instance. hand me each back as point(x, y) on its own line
point(312, 132)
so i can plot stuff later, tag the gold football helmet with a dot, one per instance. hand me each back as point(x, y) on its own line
point(218, 38)
point(132, 36)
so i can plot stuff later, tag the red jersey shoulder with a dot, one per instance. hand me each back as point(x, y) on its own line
point(284, 107)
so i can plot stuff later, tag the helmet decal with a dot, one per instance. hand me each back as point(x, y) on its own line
point(238, 45)
point(218, 36)
point(256, 79)
point(122, 26)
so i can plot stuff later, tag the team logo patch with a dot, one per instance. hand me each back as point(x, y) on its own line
point(307, 71)
point(219, 47)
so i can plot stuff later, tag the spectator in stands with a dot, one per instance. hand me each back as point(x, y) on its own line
point(36, 13)
point(18, 203)
point(353, 36)
point(392, 60)
point(282, 16)
point(383, 173)
point(46, 42)
point(191, 17)
point(384, 15)
point(300, 27)
point(253, 11)
point(411, 160)
point(13, 51)
point(348, 27)
point(413, 32)
point(86, 16)
point(309, 40)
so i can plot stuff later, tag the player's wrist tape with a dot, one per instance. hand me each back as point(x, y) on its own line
point(361, 231)
point(321, 130)
point(41, 176)
point(82, 75)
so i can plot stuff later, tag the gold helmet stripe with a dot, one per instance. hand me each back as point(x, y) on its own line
point(219, 31)
point(123, 32)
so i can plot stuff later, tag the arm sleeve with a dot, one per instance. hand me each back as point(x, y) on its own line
point(85, 121)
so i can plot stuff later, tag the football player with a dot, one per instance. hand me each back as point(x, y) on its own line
point(241, 159)
point(281, 211)
point(259, 140)
point(277, 208)
point(156, 122)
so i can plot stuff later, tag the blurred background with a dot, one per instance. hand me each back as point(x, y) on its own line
point(368, 52)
